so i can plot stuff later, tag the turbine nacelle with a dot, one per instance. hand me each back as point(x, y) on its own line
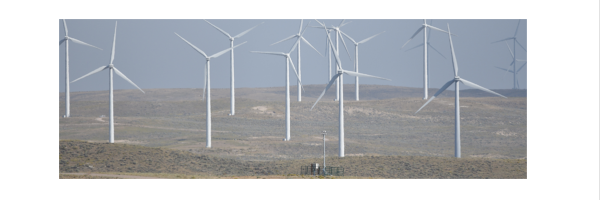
point(110, 66)
point(456, 78)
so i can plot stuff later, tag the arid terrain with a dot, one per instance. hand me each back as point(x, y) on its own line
point(384, 138)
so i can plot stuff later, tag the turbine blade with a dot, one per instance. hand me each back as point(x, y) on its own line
point(415, 47)
point(284, 40)
point(454, 64)
point(349, 38)
point(473, 85)
point(298, 40)
point(438, 29)
point(125, 77)
point(62, 41)
point(244, 33)
point(502, 40)
point(222, 31)
point(196, 48)
point(300, 28)
point(351, 73)
point(112, 55)
point(436, 50)
point(345, 24)
point(272, 53)
point(520, 45)
point(517, 28)
point(417, 32)
point(436, 94)
point(341, 22)
point(306, 41)
point(92, 72)
point(296, 72)
point(365, 40)
point(348, 52)
point(326, 88)
point(65, 25)
point(503, 69)
point(511, 53)
point(226, 50)
point(83, 43)
point(330, 44)
point(521, 67)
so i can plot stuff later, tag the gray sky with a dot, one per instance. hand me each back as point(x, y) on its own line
point(152, 56)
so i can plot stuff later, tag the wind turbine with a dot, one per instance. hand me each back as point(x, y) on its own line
point(356, 57)
point(337, 35)
point(428, 45)
point(232, 69)
point(288, 60)
point(67, 90)
point(512, 64)
point(339, 76)
point(424, 28)
point(207, 74)
point(111, 68)
point(456, 82)
point(515, 42)
point(299, 36)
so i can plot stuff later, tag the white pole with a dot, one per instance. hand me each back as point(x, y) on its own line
point(299, 74)
point(341, 79)
point(337, 49)
point(425, 60)
point(457, 122)
point(208, 120)
point(232, 83)
point(287, 98)
point(67, 90)
point(514, 64)
point(324, 133)
point(356, 69)
point(111, 126)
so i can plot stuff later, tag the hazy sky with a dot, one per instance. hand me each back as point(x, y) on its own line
point(151, 55)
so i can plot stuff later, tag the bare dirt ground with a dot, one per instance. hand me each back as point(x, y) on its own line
point(84, 175)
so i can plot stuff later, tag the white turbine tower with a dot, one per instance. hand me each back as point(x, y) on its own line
point(339, 76)
point(288, 60)
point(515, 42)
point(299, 36)
point(207, 74)
point(232, 77)
point(456, 82)
point(424, 28)
point(111, 68)
point(337, 36)
point(67, 89)
point(356, 58)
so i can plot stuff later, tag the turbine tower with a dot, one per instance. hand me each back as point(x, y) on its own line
point(232, 78)
point(515, 42)
point(111, 68)
point(288, 60)
point(67, 89)
point(207, 73)
point(424, 28)
point(356, 58)
point(456, 82)
point(339, 77)
point(299, 36)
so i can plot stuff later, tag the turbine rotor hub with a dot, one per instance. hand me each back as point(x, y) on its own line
point(111, 66)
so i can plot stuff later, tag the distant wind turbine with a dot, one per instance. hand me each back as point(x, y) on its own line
point(111, 68)
point(428, 45)
point(299, 59)
point(515, 42)
point(232, 77)
point(513, 64)
point(288, 60)
point(340, 77)
point(456, 82)
point(207, 73)
point(424, 28)
point(356, 57)
point(67, 90)
point(337, 49)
